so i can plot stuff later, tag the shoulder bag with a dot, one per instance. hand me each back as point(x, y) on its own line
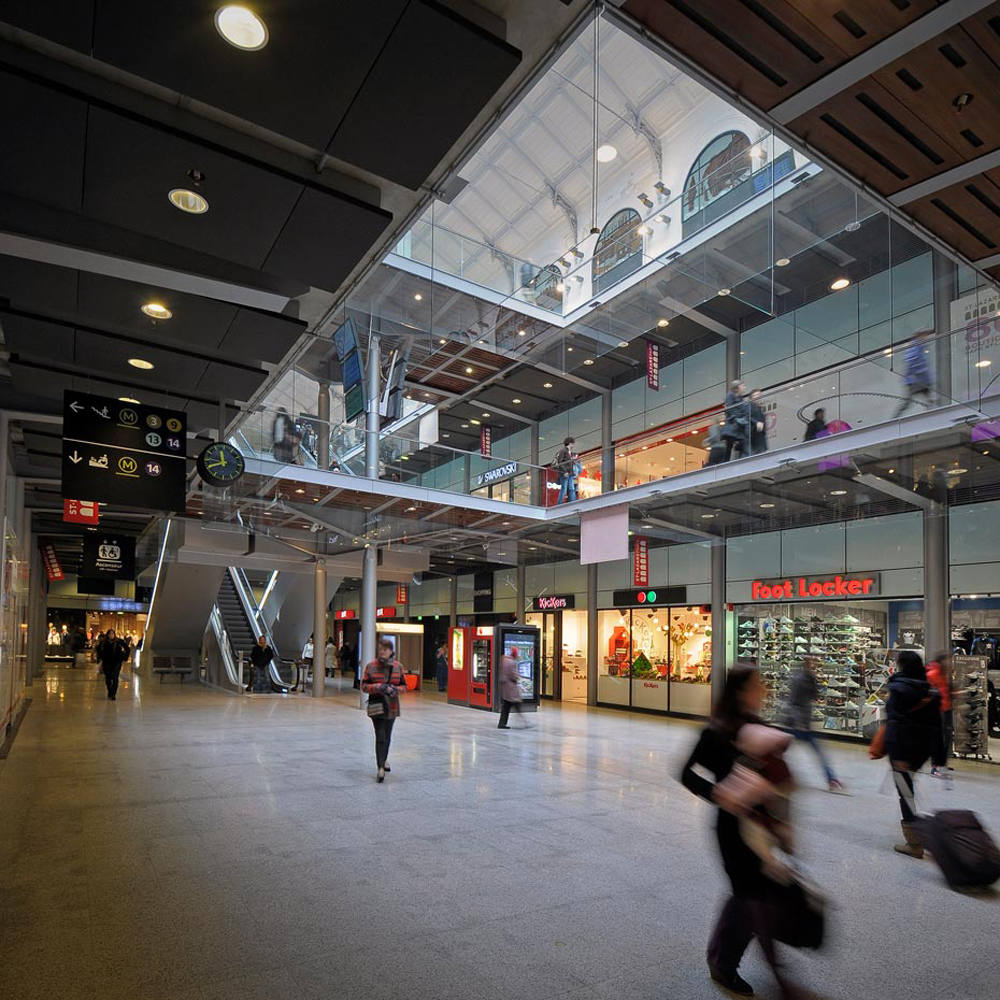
point(377, 707)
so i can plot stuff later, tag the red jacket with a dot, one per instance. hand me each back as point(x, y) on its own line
point(938, 679)
point(376, 674)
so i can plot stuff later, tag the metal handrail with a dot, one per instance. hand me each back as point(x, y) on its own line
point(219, 629)
point(258, 625)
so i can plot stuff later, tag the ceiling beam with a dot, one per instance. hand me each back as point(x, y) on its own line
point(946, 178)
point(915, 34)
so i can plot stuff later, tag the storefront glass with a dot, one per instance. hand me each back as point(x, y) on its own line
point(574, 656)
point(658, 659)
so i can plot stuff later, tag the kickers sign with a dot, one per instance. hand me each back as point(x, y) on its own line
point(815, 587)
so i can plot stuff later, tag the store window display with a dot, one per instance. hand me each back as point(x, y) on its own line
point(847, 646)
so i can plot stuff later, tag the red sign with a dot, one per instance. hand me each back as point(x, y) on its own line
point(52, 568)
point(800, 587)
point(652, 365)
point(486, 441)
point(340, 615)
point(640, 561)
point(81, 512)
point(385, 612)
point(402, 593)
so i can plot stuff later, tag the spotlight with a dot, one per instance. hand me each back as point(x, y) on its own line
point(840, 284)
point(606, 153)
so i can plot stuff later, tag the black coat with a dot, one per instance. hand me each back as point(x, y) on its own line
point(737, 416)
point(112, 653)
point(261, 656)
point(715, 752)
point(913, 726)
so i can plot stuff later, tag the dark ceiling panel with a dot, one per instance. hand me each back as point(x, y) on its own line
point(230, 383)
point(36, 338)
point(44, 135)
point(131, 168)
point(29, 285)
point(261, 336)
point(99, 353)
point(68, 22)
point(300, 84)
point(434, 75)
point(324, 238)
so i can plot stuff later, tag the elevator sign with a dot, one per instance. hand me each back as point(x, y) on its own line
point(800, 588)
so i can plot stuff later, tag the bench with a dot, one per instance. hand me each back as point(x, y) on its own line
point(179, 665)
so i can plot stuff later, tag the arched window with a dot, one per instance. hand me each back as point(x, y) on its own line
point(618, 251)
point(721, 166)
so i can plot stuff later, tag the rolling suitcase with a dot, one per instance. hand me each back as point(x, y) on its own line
point(966, 854)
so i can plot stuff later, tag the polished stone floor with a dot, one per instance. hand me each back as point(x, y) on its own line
point(181, 843)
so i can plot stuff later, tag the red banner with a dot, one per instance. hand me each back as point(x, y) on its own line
point(402, 593)
point(385, 612)
point(340, 615)
point(52, 568)
point(640, 561)
point(81, 512)
point(486, 441)
point(653, 365)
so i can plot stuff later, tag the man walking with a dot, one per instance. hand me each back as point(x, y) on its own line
point(801, 699)
point(918, 372)
point(112, 653)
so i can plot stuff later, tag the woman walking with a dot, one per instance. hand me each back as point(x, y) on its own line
point(748, 912)
point(912, 732)
point(382, 681)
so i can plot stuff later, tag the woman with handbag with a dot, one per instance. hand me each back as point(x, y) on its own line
point(382, 681)
point(912, 733)
point(750, 910)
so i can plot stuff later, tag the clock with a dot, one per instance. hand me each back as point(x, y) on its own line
point(220, 464)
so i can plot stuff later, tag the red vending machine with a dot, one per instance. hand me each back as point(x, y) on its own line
point(470, 666)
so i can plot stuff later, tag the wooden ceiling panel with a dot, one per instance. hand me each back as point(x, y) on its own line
point(856, 25)
point(876, 137)
point(966, 215)
point(767, 53)
point(938, 78)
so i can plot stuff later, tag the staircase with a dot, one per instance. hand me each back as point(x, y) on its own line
point(238, 630)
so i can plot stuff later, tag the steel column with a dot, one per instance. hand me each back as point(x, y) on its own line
point(593, 639)
point(945, 272)
point(323, 438)
point(607, 445)
point(319, 628)
point(719, 664)
point(937, 602)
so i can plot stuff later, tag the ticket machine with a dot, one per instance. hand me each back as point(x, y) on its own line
point(470, 666)
point(523, 644)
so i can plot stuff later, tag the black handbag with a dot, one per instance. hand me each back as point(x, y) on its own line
point(799, 915)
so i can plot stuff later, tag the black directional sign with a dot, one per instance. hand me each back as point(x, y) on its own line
point(123, 453)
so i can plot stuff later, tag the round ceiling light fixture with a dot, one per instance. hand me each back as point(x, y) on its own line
point(661, 323)
point(725, 291)
point(156, 310)
point(852, 227)
point(782, 262)
point(606, 153)
point(623, 343)
point(522, 333)
point(957, 472)
point(468, 371)
point(546, 385)
point(766, 506)
point(188, 201)
point(241, 27)
point(588, 361)
point(141, 363)
point(560, 286)
point(418, 297)
point(838, 493)
point(515, 400)
point(128, 399)
point(983, 364)
point(839, 285)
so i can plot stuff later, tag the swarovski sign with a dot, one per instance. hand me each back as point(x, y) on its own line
point(494, 475)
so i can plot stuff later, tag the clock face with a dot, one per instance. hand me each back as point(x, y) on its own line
point(220, 464)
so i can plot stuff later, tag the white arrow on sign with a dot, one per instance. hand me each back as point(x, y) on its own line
point(75, 407)
point(74, 458)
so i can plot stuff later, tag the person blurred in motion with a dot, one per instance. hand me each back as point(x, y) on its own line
point(510, 689)
point(816, 425)
point(329, 656)
point(939, 676)
point(567, 464)
point(912, 731)
point(112, 653)
point(716, 445)
point(802, 696)
point(919, 379)
point(758, 424)
point(382, 681)
point(736, 430)
point(441, 665)
point(288, 450)
point(748, 912)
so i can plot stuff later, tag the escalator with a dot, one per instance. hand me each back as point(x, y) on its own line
point(237, 609)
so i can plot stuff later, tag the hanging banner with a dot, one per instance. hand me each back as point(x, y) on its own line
point(653, 365)
point(640, 561)
point(402, 593)
point(52, 568)
point(486, 441)
point(81, 512)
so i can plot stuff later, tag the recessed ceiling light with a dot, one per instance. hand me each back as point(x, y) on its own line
point(241, 27)
point(515, 400)
point(725, 291)
point(621, 454)
point(623, 343)
point(188, 201)
point(442, 341)
point(418, 296)
point(983, 364)
point(446, 435)
point(839, 285)
point(300, 490)
point(782, 262)
point(644, 230)
point(408, 509)
point(522, 333)
point(767, 506)
point(606, 153)
point(468, 371)
point(129, 399)
point(888, 352)
point(957, 472)
point(404, 458)
point(546, 385)
point(156, 310)
point(838, 493)
point(465, 427)
point(588, 361)
point(852, 227)
point(560, 286)
point(661, 323)
point(707, 517)
point(645, 447)
point(570, 349)
point(485, 414)
point(476, 422)
point(140, 363)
